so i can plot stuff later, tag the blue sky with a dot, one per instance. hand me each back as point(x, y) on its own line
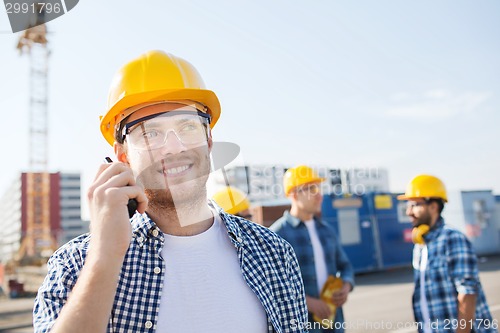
point(408, 86)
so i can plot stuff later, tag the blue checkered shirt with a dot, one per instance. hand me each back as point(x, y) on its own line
point(295, 232)
point(451, 269)
point(268, 265)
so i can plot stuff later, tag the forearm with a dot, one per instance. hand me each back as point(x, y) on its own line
point(466, 312)
point(89, 306)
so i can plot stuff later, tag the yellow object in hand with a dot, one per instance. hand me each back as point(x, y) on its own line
point(331, 285)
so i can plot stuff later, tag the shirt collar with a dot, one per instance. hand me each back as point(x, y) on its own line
point(143, 227)
point(295, 221)
point(231, 222)
point(435, 230)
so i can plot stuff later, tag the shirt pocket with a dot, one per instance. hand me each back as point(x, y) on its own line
point(437, 262)
point(437, 270)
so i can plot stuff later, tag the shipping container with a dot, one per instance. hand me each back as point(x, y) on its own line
point(372, 228)
point(474, 214)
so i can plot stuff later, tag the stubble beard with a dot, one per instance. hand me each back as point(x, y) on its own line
point(424, 219)
point(180, 196)
point(164, 199)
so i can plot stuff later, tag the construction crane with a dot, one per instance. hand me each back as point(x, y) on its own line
point(34, 42)
point(38, 241)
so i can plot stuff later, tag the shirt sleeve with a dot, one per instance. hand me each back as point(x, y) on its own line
point(344, 265)
point(53, 293)
point(296, 276)
point(462, 263)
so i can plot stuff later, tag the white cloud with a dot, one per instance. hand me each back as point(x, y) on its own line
point(400, 97)
point(435, 104)
point(437, 94)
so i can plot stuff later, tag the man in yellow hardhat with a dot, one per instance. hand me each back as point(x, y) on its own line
point(318, 248)
point(178, 264)
point(233, 201)
point(448, 296)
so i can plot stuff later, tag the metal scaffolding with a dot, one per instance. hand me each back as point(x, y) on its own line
point(34, 42)
point(37, 240)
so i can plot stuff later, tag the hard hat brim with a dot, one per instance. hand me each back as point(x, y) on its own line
point(402, 197)
point(204, 96)
point(312, 181)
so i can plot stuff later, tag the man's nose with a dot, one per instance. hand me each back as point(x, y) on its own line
point(173, 144)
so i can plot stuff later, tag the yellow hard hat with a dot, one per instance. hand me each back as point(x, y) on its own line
point(154, 77)
point(298, 176)
point(425, 187)
point(232, 200)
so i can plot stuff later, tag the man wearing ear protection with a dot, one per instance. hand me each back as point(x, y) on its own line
point(448, 296)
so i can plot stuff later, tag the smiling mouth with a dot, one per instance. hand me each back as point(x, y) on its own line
point(177, 170)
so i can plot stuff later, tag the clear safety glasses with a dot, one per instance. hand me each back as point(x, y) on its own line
point(151, 132)
point(312, 189)
point(413, 204)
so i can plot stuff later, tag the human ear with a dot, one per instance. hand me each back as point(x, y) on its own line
point(120, 152)
point(433, 207)
point(210, 143)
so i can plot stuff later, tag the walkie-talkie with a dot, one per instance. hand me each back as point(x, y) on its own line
point(132, 203)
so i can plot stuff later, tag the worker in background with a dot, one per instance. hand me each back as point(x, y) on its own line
point(179, 264)
point(233, 201)
point(317, 247)
point(2, 274)
point(448, 296)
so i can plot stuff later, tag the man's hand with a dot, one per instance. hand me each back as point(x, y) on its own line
point(466, 312)
point(89, 306)
point(318, 307)
point(108, 196)
point(340, 297)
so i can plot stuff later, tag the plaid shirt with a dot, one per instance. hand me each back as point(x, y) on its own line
point(295, 232)
point(451, 269)
point(268, 265)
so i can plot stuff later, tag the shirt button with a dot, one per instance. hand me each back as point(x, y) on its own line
point(239, 240)
point(155, 233)
point(140, 239)
point(157, 270)
point(148, 324)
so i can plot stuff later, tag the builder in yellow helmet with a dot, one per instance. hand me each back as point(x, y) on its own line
point(448, 296)
point(320, 254)
point(233, 201)
point(179, 264)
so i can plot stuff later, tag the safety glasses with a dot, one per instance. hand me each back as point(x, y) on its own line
point(151, 132)
point(413, 204)
point(312, 189)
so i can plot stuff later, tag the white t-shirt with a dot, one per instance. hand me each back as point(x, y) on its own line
point(423, 300)
point(319, 255)
point(203, 289)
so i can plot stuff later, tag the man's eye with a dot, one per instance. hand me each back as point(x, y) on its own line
point(150, 134)
point(189, 128)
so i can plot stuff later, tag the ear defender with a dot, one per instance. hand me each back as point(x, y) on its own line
point(417, 233)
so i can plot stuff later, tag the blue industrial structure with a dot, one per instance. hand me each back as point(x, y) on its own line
point(473, 213)
point(373, 229)
point(376, 233)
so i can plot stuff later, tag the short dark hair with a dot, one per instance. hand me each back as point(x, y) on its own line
point(439, 202)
